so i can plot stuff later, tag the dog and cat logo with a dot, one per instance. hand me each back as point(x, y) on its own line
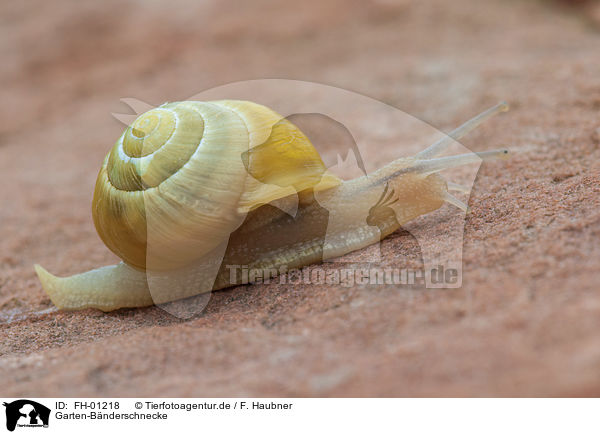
point(25, 413)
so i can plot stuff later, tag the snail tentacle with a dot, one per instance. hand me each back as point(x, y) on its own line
point(442, 144)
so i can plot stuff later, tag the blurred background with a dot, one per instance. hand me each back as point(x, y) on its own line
point(526, 321)
point(63, 61)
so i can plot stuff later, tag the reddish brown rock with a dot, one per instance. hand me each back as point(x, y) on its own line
point(526, 321)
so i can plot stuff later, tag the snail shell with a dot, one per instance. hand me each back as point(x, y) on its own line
point(188, 177)
point(195, 169)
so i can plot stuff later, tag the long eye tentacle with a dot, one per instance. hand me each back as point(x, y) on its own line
point(427, 167)
point(442, 144)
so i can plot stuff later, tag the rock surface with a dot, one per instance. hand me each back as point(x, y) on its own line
point(526, 321)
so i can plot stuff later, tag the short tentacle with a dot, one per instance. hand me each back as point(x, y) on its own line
point(457, 203)
point(457, 187)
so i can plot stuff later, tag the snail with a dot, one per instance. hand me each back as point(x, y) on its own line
point(192, 183)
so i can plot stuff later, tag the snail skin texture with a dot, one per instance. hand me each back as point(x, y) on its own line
point(192, 186)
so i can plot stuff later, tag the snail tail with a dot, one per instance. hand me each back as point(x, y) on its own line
point(107, 288)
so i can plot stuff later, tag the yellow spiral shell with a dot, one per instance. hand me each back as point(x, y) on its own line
point(188, 172)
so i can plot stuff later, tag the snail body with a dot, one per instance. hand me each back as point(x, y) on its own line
point(192, 188)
